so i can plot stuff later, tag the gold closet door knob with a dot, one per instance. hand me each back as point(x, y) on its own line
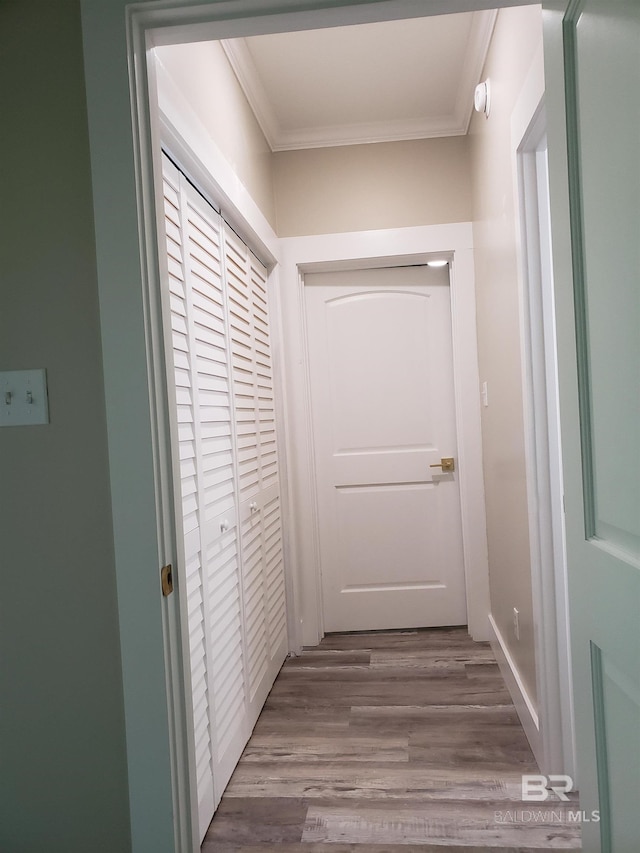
point(446, 463)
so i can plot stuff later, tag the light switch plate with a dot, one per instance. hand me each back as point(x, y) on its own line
point(23, 397)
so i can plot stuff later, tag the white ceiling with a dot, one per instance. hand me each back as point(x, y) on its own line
point(380, 82)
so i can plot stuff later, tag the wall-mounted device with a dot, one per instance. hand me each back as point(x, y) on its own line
point(482, 98)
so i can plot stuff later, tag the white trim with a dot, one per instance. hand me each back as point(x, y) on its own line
point(241, 61)
point(330, 136)
point(363, 249)
point(524, 706)
point(149, 193)
point(542, 432)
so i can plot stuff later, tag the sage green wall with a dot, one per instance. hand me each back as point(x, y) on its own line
point(62, 756)
point(516, 43)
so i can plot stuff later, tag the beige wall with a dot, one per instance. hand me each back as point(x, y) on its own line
point(208, 84)
point(366, 187)
point(321, 190)
point(515, 45)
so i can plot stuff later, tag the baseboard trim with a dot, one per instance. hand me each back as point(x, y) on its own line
point(521, 699)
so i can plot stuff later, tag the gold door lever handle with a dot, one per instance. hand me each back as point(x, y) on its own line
point(446, 463)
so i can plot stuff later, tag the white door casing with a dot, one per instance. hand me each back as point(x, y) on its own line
point(383, 414)
point(548, 723)
point(371, 250)
point(552, 743)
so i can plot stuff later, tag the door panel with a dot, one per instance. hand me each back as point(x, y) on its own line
point(607, 250)
point(383, 414)
point(598, 303)
point(371, 554)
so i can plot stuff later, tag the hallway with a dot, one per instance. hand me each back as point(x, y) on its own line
point(388, 742)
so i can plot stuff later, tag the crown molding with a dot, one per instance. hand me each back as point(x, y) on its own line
point(361, 134)
point(454, 124)
point(241, 61)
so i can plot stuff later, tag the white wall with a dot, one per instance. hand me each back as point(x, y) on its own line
point(516, 45)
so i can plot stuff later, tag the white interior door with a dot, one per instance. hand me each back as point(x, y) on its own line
point(380, 358)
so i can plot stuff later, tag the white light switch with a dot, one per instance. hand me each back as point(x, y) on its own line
point(23, 397)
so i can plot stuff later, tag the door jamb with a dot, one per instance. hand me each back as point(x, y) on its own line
point(555, 749)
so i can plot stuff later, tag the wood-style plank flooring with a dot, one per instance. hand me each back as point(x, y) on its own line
point(390, 742)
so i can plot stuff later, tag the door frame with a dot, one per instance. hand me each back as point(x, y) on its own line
point(116, 38)
point(370, 250)
point(554, 742)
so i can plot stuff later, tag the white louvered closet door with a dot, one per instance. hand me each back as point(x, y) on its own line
point(259, 498)
point(207, 479)
point(273, 568)
point(189, 513)
point(227, 687)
